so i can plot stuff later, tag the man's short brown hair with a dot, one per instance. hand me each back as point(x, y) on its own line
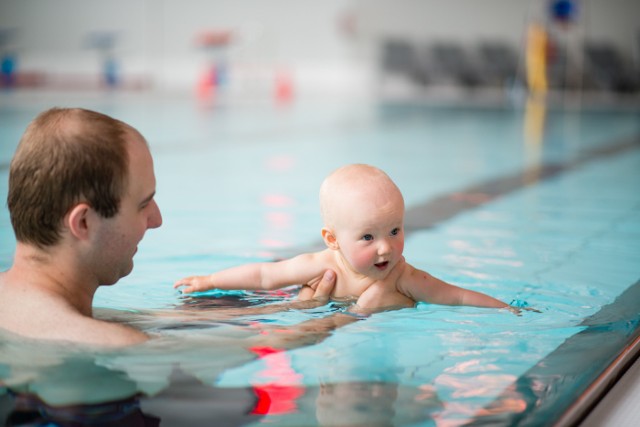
point(65, 156)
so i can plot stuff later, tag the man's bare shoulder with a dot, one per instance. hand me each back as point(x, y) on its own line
point(33, 314)
point(109, 334)
point(76, 328)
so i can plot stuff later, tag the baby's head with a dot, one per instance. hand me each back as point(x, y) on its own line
point(363, 214)
point(357, 186)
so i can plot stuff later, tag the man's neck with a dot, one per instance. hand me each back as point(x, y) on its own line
point(53, 272)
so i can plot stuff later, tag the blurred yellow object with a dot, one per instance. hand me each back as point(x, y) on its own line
point(537, 59)
point(535, 113)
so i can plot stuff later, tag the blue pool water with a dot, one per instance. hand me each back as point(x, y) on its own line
point(551, 221)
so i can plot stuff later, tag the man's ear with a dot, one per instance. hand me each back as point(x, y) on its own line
point(330, 239)
point(78, 219)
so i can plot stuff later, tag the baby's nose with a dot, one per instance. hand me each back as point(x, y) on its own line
point(384, 247)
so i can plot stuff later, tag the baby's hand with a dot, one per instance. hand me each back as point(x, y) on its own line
point(193, 284)
point(518, 310)
point(516, 306)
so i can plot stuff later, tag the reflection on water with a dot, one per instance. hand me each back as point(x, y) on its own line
point(27, 410)
point(429, 365)
point(375, 404)
point(65, 384)
point(174, 379)
point(163, 384)
point(186, 402)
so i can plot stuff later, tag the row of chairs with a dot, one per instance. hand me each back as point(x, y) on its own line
point(498, 64)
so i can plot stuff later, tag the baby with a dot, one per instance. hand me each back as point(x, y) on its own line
point(363, 214)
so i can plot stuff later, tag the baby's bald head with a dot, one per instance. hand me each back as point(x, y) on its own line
point(356, 185)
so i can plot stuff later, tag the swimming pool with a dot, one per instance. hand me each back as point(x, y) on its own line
point(551, 220)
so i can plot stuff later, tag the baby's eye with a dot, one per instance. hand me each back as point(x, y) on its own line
point(367, 237)
point(395, 231)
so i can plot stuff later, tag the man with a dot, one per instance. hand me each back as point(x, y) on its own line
point(81, 188)
point(81, 197)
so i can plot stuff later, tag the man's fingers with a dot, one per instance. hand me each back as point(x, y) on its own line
point(326, 285)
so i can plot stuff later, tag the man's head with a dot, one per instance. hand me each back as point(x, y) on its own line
point(65, 156)
point(363, 214)
point(88, 178)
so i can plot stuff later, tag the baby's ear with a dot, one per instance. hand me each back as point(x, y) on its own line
point(330, 239)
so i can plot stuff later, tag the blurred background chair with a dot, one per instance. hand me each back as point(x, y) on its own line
point(498, 63)
point(399, 58)
point(607, 69)
point(451, 62)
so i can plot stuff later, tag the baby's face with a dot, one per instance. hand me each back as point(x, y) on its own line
point(370, 234)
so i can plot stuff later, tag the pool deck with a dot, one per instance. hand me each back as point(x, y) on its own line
point(619, 407)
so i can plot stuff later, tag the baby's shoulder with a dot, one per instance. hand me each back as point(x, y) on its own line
point(315, 263)
point(402, 270)
point(327, 258)
point(405, 275)
point(320, 257)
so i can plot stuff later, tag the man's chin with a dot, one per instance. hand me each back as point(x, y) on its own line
point(113, 280)
point(128, 270)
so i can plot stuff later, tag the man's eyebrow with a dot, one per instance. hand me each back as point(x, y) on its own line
point(148, 199)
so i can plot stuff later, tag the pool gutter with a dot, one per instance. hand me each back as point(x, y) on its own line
point(598, 389)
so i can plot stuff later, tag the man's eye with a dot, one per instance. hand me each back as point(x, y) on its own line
point(367, 237)
point(395, 231)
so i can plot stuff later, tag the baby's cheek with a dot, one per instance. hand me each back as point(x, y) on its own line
point(362, 260)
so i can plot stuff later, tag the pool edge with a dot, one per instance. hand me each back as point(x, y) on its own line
point(603, 384)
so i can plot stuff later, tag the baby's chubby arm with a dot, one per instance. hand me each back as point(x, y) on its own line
point(421, 286)
point(258, 276)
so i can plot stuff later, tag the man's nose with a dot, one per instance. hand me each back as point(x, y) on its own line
point(155, 219)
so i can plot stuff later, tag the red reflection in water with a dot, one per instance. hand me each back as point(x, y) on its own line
point(273, 243)
point(279, 219)
point(277, 200)
point(280, 163)
point(277, 387)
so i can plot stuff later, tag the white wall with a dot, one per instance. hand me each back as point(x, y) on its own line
point(466, 20)
point(156, 37)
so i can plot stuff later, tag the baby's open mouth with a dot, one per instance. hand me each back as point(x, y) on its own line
point(382, 265)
